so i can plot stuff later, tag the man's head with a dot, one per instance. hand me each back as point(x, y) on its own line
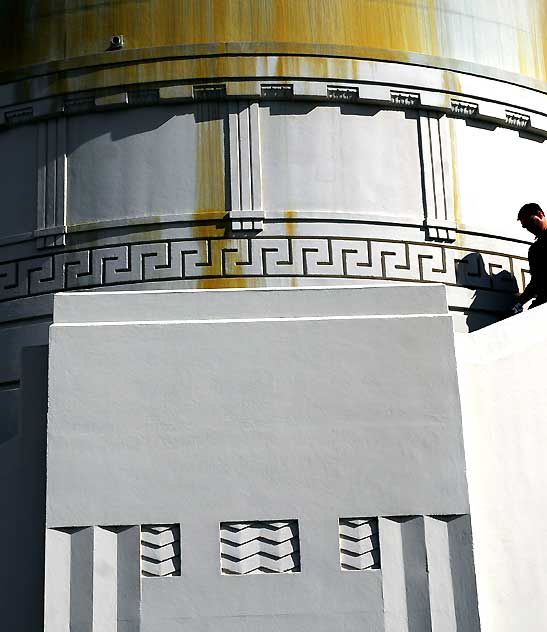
point(532, 218)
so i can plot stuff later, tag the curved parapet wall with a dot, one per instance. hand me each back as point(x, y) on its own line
point(269, 143)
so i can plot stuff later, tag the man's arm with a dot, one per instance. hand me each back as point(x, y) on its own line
point(530, 291)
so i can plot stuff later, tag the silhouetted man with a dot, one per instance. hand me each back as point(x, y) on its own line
point(533, 219)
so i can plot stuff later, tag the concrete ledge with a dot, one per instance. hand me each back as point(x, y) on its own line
point(82, 307)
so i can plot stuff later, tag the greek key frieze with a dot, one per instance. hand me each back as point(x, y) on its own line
point(206, 258)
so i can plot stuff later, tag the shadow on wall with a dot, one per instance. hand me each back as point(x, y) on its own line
point(9, 410)
point(23, 493)
point(494, 291)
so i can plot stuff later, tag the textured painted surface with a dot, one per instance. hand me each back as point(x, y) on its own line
point(92, 579)
point(256, 419)
point(23, 476)
point(359, 544)
point(498, 33)
point(501, 371)
point(160, 550)
point(259, 547)
point(342, 192)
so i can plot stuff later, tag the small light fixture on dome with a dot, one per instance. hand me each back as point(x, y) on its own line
point(116, 42)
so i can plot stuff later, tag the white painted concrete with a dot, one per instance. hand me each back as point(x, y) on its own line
point(404, 184)
point(137, 164)
point(501, 372)
point(379, 188)
point(349, 159)
point(260, 303)
point(235, 415)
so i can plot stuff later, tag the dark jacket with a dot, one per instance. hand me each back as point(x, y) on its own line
point(537, 260)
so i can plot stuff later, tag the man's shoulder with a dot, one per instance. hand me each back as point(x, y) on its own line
point(539, 246)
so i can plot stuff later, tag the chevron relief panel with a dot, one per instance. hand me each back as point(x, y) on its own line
point(259, 547)
point(359, 544)
point(160, 550)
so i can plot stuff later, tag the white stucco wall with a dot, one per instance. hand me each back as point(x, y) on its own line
point(312, 405)
point(502, 377)
point(333, 158)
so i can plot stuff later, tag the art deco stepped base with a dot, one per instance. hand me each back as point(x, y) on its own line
point(256, 429)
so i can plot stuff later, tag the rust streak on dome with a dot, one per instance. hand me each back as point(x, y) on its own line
point(41, 36)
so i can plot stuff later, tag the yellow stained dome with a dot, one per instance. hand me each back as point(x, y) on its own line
point(42, 36)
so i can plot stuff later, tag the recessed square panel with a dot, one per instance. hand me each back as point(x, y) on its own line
point(259, 547)
point(160, 550)
point(359, 544)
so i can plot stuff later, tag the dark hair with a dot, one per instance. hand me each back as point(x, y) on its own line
point(528, 210)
